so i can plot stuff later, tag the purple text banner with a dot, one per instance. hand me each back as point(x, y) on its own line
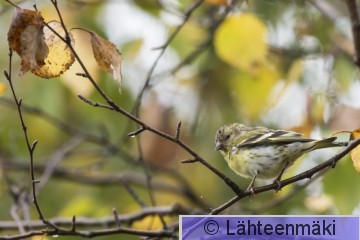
point(269, 227)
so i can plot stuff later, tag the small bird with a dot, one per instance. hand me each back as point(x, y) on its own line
point(259, 152)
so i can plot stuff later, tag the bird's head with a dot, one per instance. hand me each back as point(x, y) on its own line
point(227, 135)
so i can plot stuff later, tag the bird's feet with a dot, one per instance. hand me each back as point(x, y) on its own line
point(279, 185)
point(251, 190)
point(251, 187)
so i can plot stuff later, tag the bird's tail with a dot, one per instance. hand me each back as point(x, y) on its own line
point(328, 142)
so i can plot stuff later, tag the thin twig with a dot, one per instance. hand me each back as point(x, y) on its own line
point(55, 160)
point(30, 147)
point(134, 195)
point(73, 224)
point(177, 133)
point(94, 104)
point(355, 23)
point(163, 48)
point(116, 218)
point(67, 35)
point(134, 133)
point(189, 161)
point(178, 28)
point(13, 4)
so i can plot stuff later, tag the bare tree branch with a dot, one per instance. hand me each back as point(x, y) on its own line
point(122, 178)
point(108, 221)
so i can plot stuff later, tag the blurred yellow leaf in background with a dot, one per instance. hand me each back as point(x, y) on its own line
point(252, 90)
point(2, 88)
point(149, 222)
point(240, 41)
point(81, 205)
point(355, 153)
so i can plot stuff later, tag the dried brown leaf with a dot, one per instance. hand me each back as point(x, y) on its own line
point(355, 153)
point(21, 19)
point(26, 37)
point(60, 57)
point(107, 56)
point(33, 48)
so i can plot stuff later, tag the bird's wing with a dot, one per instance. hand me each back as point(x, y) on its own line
point(273, 137)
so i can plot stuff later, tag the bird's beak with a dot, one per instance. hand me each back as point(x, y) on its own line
point(219, 146)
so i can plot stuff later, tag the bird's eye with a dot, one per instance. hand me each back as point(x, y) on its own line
point(227, 136)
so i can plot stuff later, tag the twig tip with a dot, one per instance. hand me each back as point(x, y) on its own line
point(133, 134)
point(34, 145)
point(189, 161)
point(177, 134)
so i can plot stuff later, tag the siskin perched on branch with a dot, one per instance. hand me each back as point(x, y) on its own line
point(259, 152)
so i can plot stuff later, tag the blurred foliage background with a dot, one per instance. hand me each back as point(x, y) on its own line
point(281, 64)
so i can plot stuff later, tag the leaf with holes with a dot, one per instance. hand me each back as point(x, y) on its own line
point(107, 56)
point(26, 37)
point(60, 57)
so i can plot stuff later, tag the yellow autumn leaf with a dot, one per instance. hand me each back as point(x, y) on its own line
point(240, 41)
point(252, 90)
point(60, 57)
point(355, 153)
